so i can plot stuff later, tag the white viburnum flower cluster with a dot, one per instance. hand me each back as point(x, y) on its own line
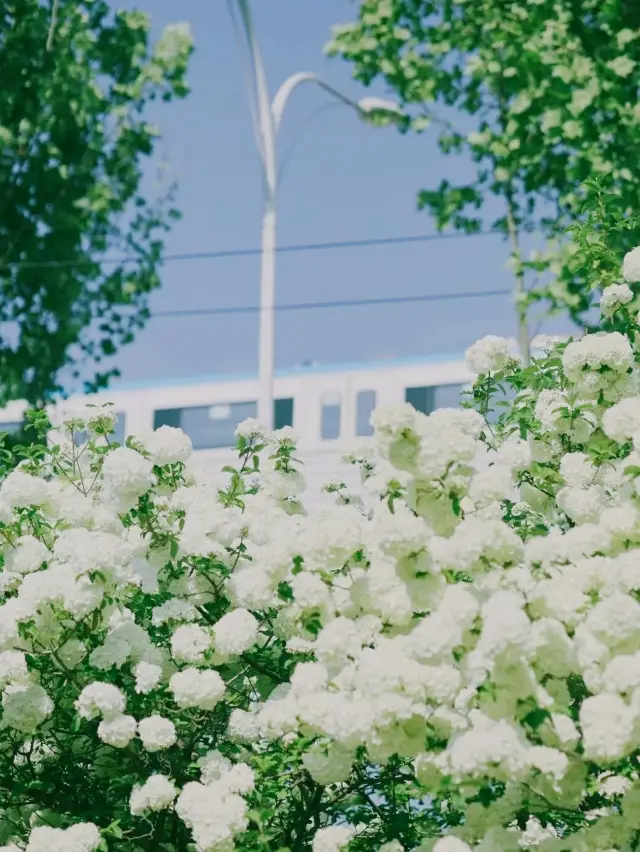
point(199, 662)
point(615, 296)
point(631, 266)
point(489, 355)
point(81, 837)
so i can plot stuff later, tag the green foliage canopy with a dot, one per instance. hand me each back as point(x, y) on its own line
point(542, 96)
point(73, 143)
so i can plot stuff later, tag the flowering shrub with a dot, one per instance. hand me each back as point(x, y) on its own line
point(448, 662)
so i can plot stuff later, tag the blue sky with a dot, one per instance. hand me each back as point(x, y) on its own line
point(344, 181)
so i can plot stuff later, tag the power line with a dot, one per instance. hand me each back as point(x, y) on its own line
point(249, 252)
point(337, 303)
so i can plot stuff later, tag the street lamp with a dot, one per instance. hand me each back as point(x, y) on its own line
point(267, 117)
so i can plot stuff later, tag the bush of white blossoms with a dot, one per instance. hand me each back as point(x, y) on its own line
point(452, 664)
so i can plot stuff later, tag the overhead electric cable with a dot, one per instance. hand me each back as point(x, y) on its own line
point(335, 303)
point(247, 252)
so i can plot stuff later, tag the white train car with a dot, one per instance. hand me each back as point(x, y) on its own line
point(329, 406)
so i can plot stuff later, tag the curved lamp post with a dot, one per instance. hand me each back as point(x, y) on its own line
point(267, 117)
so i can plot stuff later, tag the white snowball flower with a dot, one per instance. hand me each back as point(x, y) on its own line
point(81, 837)
point(514, 453)
point(491, 485)
point(631, 266)
point(189, 643)
point(239, 779)
point(622, 65)
point(173, 610)
point(451, 844)
point(565, 729)
point(157, 733)
point(613, 785)
point(195, 688)
point(250, 428)
point(168, 445)
point(213, 766)
point(243, 726)
point(126, 472)
point(546, 342)
point(117, 731)
point(92, 550)
point(147, 676)
point(25, 707)
point(622, 673)
point(22, 489)
point(615, 296)
point(489, 355)
point(84, 836)
point(26, 555)
point(13, 668)
point(587, 356)
point(100, 699)
point(285, 435)
point(331, 839)
point(607, 724)
point(576, 470)
point(251, 587)
point(157, 793)
point(549, 761)
point(213, 813)
point(309, 590)
point(622, 421)
point(616, 621)
point(582, 505)
point(535, 833)
point(235, 633)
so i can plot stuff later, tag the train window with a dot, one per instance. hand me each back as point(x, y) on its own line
point(167, 417)
point(448, 396)
point(422, 398)
point(119, 431)
point(330, 416)
point(365, 404)
point(11, 428)
point(282, 413)
point(209, 427)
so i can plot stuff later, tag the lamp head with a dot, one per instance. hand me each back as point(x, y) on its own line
point(379, 111)
point(373, 104)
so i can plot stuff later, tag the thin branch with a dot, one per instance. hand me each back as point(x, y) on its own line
point(520, 289)
point(513, 235)
point(53, 24)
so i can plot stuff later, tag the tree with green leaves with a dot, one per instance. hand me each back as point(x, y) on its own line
point(541, 96)
point(74, 138)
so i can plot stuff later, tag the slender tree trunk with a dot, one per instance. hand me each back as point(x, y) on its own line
point(520, 291)
point(512, 229)
point(53, 24)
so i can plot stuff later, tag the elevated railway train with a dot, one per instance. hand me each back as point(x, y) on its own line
point(329, 406)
